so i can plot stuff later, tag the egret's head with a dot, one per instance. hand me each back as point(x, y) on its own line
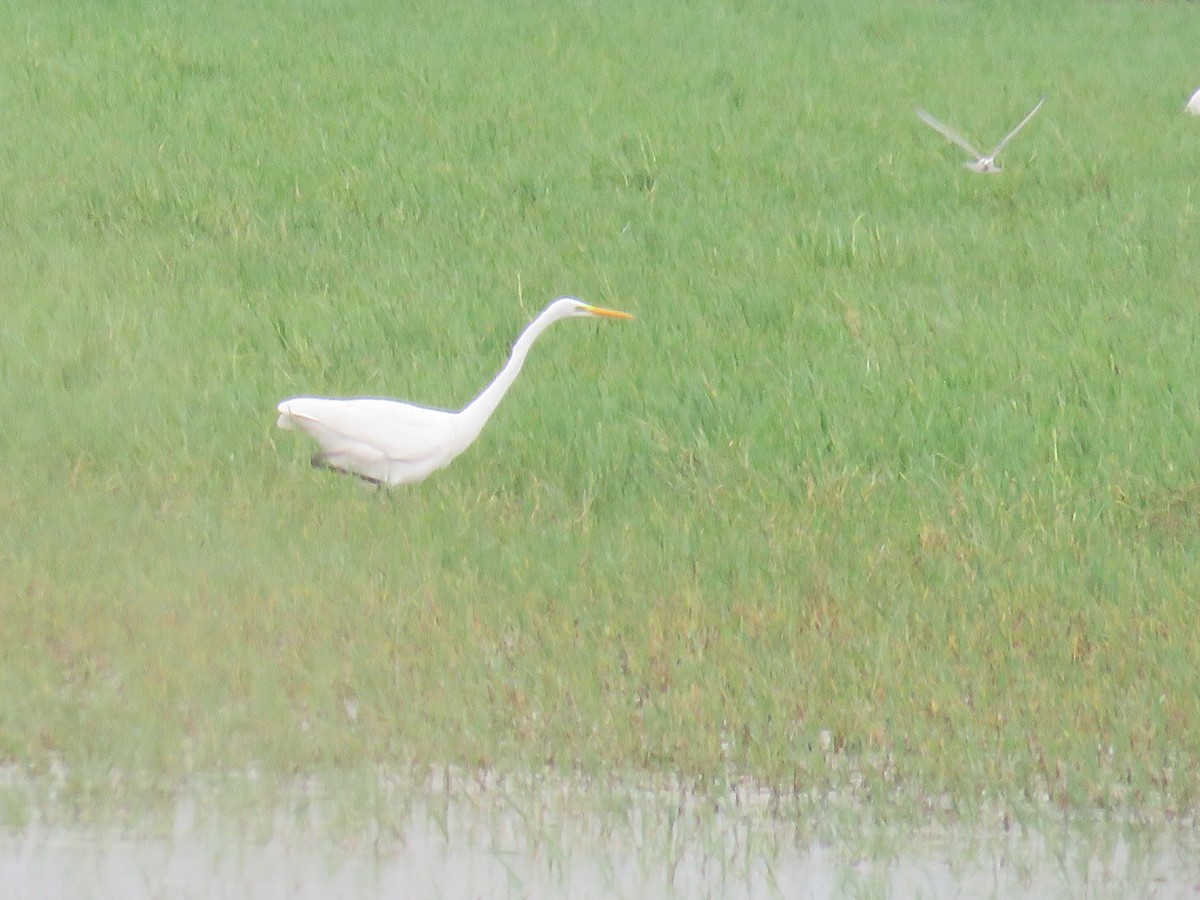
point(569, 307)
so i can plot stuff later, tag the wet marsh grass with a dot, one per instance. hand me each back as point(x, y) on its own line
point(896, 462)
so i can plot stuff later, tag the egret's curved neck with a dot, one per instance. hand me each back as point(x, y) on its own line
point(479, 410)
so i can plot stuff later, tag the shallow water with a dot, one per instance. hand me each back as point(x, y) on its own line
point(483, 840)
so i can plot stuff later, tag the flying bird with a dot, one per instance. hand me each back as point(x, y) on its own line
point(984, 163)
point(392, 442)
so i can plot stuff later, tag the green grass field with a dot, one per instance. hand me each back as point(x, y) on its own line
point(895, 457)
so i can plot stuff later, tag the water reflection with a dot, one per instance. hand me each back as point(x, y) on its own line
point(464, 837)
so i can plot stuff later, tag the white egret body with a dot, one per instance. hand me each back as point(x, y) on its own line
point(985, 164)
point(1193, 105)
point(392, 442)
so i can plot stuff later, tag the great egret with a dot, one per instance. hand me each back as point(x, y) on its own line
point(392, 442)
point(984, 163)
point(1193, 105)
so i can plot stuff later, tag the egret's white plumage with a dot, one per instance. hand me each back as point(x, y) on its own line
point(1193, 105)
point(984, 163)
point(392, 442)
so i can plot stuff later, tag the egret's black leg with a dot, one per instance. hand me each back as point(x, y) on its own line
point(321, 461)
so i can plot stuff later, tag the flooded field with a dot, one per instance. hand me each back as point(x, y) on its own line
point(475, 837)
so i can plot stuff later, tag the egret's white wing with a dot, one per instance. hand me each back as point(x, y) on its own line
point(1025, 121)
point(372, 429)
point(948, 133)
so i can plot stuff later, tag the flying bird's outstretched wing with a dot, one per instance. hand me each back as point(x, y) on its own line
point(948, 133)
point(1025, 121)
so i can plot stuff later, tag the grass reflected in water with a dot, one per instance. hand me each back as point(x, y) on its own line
point(452, 834)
